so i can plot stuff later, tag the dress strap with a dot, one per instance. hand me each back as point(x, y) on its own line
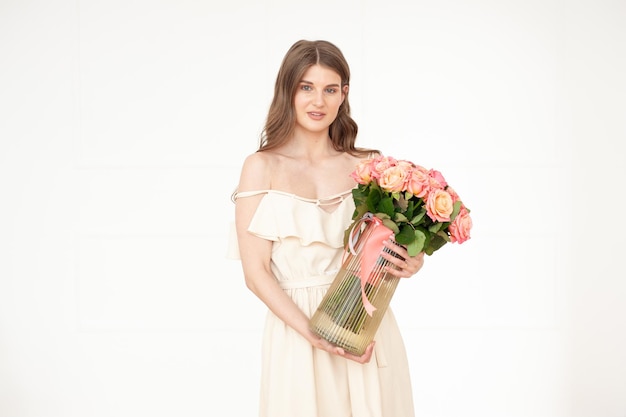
point(243, 194)
point(330, 200)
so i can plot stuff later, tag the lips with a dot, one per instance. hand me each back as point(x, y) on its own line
point(316, 115)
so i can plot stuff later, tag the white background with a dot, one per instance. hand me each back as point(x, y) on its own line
point(123, 125)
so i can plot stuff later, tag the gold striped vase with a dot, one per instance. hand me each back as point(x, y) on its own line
point(341, 318)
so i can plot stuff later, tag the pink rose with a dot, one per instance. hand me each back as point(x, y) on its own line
point(381, 163)
point(453, 194)
point(393, 179)
point(438, 176)
point(461, 226)
point(418, 182)
point(439, 205)
point(363, 172)
point(433, 184)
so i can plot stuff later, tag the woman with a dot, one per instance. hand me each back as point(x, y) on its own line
point(293, 204)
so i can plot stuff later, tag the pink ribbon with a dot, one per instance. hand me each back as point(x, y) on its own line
point(370, 250)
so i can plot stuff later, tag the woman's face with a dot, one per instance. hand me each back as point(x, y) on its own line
point(317, 99)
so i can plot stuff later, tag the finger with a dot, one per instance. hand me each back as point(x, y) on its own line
point(365, 357)
point(399, 249)
point(398, 262)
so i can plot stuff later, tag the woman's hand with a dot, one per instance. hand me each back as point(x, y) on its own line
point(365, 358)
point(402, 268)
point(323, 344)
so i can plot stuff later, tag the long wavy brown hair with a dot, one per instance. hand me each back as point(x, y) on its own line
point(281, 118)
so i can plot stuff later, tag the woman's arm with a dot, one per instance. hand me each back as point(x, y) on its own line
point(255, 254)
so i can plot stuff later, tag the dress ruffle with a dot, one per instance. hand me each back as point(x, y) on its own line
point(280, 216)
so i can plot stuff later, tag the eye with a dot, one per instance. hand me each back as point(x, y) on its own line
point(306, 87)
point(331, 90)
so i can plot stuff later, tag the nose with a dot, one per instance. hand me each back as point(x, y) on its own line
point(318, 98)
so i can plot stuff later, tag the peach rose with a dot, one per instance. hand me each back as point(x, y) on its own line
point(406, 165)
point(363, 172)
point(393, 179)
point(418, 182)
point(439, 205)
point(460, 227)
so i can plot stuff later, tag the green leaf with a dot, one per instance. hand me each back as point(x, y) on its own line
point(359, 211)
point(406, 235)
point(419, 217)
point(360, 191)
point(436, 242)
point(390, 224)
point(399, 217)
point(444, 235)
point(386, 206)
point(410, 207)
point(435, 227)
point(346, 234)
point(455, 210)
point(373, 197)
point(417, 245)
point(427, 235)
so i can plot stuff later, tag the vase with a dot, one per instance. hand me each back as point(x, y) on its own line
point(345, 316)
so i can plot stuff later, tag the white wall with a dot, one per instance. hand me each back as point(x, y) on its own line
point(122, 128)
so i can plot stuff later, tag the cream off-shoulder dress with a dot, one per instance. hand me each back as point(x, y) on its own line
point(298, 380)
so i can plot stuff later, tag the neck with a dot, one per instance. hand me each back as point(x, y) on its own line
point(311, 143)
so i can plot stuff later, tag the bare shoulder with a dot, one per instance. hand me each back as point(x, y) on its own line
point(256, 161)
point(256, 172)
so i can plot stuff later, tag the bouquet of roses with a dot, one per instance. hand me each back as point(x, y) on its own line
point(416, 203)
point(420, 209)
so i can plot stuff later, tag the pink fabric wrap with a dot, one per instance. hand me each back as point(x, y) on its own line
point(370, 251)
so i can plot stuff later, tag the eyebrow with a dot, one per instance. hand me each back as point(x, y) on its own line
point(329, 85)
